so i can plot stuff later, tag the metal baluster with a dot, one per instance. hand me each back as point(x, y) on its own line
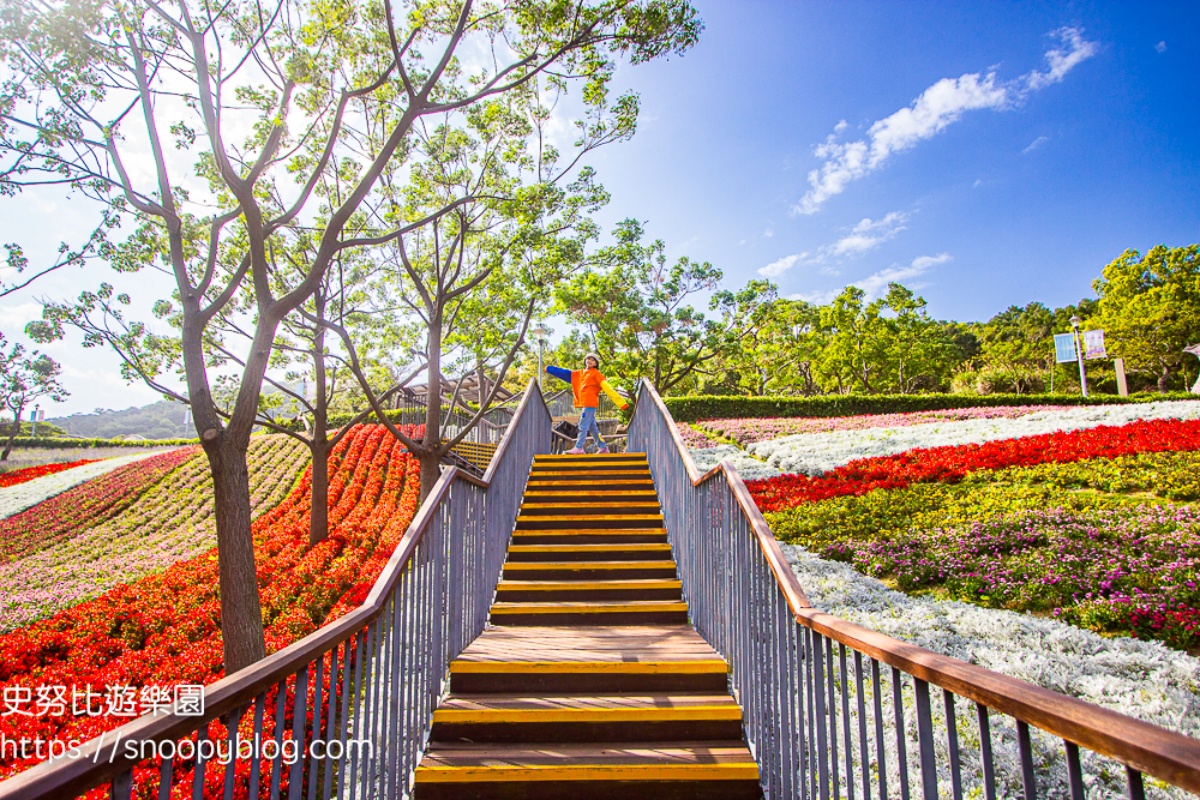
point(820, 714)
point(277, 733)
point(122, 785)
point(350, 699)
point(985, 751)
point(830, 681)
point(1136, 790)
point(313, 764)
point(396, 744)
point(925, 740)
point(198, 773)
point(232, 721)
point(862, 726)
point(299, 717)
point(845, 689)
point(805, 728)
point(166, 770)
point(880, 752)
point(901, 734)
point(952, 742)
point(336, 668)
point(1074, 770)
point(1028, 780)
point(260, 704)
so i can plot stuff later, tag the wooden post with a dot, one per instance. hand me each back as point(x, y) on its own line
point(1122, 386)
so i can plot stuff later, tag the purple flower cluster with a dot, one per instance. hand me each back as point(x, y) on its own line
point(1129, 570)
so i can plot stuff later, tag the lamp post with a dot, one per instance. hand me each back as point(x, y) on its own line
point(539, 335)
point(33, 418)
point(1075, 320)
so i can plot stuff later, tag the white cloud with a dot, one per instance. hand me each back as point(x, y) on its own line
point(1035, 144)
point(874, 285)
point(939, 106)
point(816, 298)
point(777, 268)
point(1075, 51)
point(868, 234)
point(1161, 47)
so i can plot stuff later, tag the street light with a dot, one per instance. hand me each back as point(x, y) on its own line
point(539, 335)
point(37, 408)
point(1075, 320)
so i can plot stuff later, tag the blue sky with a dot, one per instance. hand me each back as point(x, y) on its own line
point(1008, 150)
point(984, 153)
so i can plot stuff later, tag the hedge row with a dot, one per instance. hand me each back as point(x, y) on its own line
point(693, 409)
point(55, 443)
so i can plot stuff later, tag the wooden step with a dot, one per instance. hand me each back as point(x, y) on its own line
point(539, 522)
point(540, 495)
point(577, 470)
point(663, 770)
point(581, 659)
point(587, 570)
point(644, 589)
point(590, 612)
point(590, 536)
point(589, 552)
point(514, 718)
point(556, 484)
point(589, 506)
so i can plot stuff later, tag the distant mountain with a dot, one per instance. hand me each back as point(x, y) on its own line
point(161, 420)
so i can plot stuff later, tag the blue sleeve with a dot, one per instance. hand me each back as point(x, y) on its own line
point(560, 373)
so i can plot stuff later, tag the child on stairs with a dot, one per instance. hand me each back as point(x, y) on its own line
point(586, 385)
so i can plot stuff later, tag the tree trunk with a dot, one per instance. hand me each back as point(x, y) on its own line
point(318, 516)
point(318, 525)
point(430, 460)
point(1164, 380)
point(241, 611)
point(12, 433)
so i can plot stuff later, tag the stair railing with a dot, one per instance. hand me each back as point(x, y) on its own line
point(352, 703)
point(834, 709)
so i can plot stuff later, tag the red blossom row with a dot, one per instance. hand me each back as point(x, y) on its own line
point(29, 473)
point(85, 505)
point(164, 629)
point(950, 464)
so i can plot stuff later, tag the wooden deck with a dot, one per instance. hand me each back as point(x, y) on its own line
point(589, 683)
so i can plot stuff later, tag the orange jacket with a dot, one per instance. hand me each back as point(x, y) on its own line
point(586, 385)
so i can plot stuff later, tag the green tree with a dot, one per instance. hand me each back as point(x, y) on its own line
point(855, 342)
point(250, 114)
point(1149, 309)
point(920, 355)
point(633, 305)
point(772, 341)
point(24, 378)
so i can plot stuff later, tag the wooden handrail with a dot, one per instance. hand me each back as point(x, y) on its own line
point(67, 777)
point(1151, 749)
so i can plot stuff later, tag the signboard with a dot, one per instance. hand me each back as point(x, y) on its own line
point(1064, 347)
point(1093, 344)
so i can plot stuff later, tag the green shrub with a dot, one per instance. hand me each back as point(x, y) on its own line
point(692, 409)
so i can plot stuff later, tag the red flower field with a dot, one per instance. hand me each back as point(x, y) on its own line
point(951, 464)
point(29, 473)
point(164, 630)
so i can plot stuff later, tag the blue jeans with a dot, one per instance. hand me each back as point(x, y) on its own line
point(587, 422)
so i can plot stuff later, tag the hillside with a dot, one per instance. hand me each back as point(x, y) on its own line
point(161, 420)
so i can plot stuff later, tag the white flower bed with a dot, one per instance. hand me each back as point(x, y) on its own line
point(816, 453)
point(1146, 680)
point(748, 467)
point(15, 499)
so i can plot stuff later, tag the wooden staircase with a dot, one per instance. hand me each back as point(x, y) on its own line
point(589, 683)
